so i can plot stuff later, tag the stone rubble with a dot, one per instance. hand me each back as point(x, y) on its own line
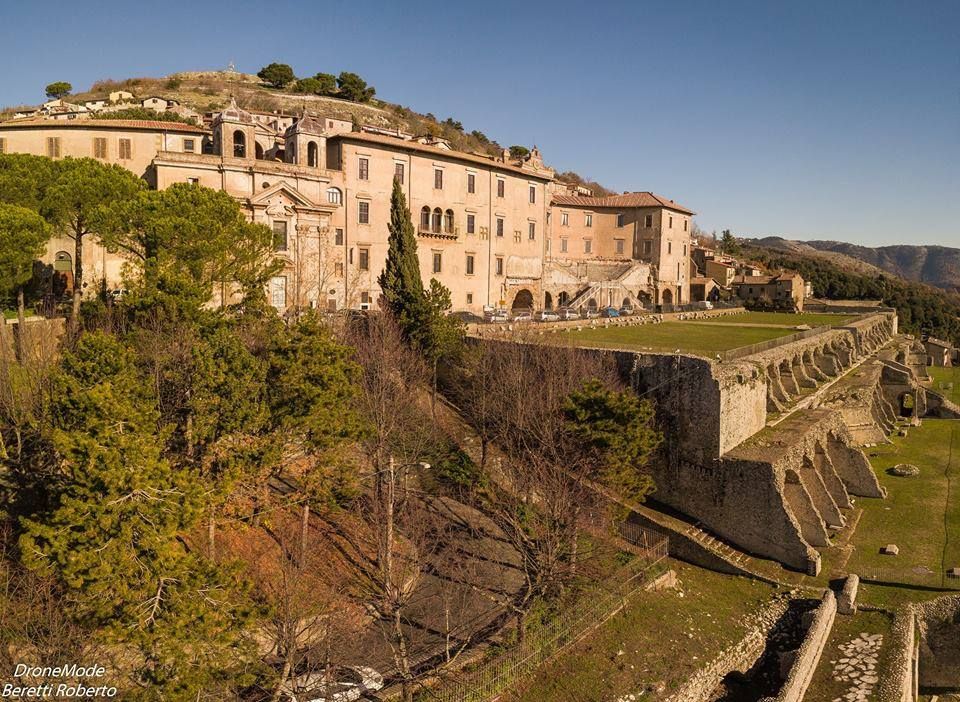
point(858, 666)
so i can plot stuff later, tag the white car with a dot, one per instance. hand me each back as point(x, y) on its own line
point(497, 316)
point(569, 313)
point(547, 316)
point(342, 684)
point(521, 316)
point(591, 314)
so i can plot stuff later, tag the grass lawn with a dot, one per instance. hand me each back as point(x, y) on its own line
point(823, 688)
point(921, 514)
point(659, 640)
point(689, 337)
point(946, 376)
point(812, 319)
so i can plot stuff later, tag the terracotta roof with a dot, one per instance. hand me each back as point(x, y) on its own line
point(638, 199)
point(119, 123)
point(702, 280)
point(404, 144)
point(754, 279)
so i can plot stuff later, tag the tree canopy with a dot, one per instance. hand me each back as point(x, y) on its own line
point(23, 234)
point(59, 89)
point(354, 88)
point(277, 75)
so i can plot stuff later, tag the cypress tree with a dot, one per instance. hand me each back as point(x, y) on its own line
point(400, 280)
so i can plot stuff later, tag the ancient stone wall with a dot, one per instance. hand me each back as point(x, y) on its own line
point(899, 683)
point(939, 624)
point(808, 656)
point(40, 338)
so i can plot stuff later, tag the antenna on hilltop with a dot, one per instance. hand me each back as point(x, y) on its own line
point(231, 67)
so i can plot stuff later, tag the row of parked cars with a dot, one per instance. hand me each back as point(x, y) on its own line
point(561, 314)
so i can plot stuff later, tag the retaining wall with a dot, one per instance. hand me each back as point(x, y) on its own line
point(808, 656)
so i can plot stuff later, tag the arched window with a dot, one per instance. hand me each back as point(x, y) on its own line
point(563, 299)
point(437, 220)
point(239, 144)
point(313, 154)
point(258, 151)
point(333, 196)
point(448, 222)
point(425, 219)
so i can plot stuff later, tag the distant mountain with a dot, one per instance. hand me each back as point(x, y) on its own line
point(934, 265)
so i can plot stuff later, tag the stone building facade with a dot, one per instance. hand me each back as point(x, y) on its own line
point(495, 231)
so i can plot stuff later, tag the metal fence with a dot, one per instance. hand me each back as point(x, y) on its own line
point(742, 351)
point(543, 640)
point(919, 577)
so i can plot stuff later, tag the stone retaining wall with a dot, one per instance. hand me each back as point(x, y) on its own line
point(808, 656)
point(899, 682)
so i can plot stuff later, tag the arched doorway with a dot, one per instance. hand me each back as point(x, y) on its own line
point(239, 144)
point(591, 304)
point(563, 299)
point(523, 300)
point(626, 302)
point(62, 281)
point(667, 297)
point(258, 151)
point(547, 301)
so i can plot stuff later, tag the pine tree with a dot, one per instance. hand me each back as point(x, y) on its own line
point(400, 280)
point(113, 528)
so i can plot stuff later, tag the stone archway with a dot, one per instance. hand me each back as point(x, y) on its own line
point(667, 297)
point(563, 298)
point(523, 300)
point(547, 301)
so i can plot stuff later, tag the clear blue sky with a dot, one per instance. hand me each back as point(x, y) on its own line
point(804, 119)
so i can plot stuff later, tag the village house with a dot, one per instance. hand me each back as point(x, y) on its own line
point(939, 352)
point(498, 232)
point(780, 291)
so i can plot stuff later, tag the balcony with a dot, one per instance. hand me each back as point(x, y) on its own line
point(436, 232)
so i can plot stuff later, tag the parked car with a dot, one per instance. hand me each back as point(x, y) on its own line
point(589, 313)
point(568, 313)
point(546, 316)
point(342, 684)
point(496, 316)
point(627, 310)
point(521, 316)
point(610, 312)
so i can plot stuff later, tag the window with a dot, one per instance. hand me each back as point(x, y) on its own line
point(684, 249)
point(620, 219)
point(239, 145)
point(469, 298)
point(365, 298)
point(563, 246)
point(126, 149)
point(669, 247)
point(437, 261)
point(587, 245)
point(448, 222)
point(334, 196)
point(517, 236)
point(499, 265)
point(471, 224)
point(313, 154)
point(648, 221)
point(438, 178)
point(189, 145)
point(565, 219)
point(469, 264)
point(499, 226)
point(280, 235)
point(531, 230)
point(437, 220)
point(647, 246)
point(99, 147)
point(500, 187)
point(193, 181)
point(684, 225)
point(619, 244)
point(588, 220)
point(364, 259)
point(425, 219)
point(670, 225)
point(533, 194)
point(363, 169)
point(471, 183)
point(338, 269)
point(53, 147)
point(398, 172)
point(364, 212)
point(278, 291)
point(3, 146)
point(338, 237)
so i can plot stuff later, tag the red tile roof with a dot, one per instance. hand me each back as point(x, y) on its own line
point(638, 199)
point(410, 145)
point(155, 125)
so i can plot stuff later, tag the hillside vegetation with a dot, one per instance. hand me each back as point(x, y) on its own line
point(934, 265)
point(921, 307)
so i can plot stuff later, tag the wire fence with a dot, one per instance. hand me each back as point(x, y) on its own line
point(545, 639)
point(918, 577)
point(742, 351)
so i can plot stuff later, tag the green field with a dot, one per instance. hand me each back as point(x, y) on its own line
point(688, 337)
point(783, 318)
point(658, 641)
point(921, 514)
point(946, 376)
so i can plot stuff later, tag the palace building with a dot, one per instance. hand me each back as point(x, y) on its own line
point(498, 232)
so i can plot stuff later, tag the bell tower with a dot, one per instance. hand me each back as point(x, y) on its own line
point(306, 142)
point(234, 133)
